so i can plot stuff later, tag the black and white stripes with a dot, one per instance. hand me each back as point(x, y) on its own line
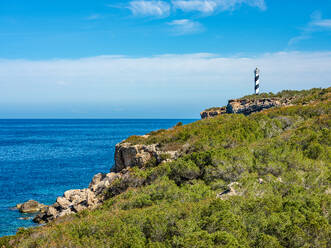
point(257, 81)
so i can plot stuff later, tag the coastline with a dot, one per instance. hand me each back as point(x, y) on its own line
point(58, 155)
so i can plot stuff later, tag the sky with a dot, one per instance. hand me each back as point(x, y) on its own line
point(155, 59)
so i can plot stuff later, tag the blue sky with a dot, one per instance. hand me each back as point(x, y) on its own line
point(155, 59)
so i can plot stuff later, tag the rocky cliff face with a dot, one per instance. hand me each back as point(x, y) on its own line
point(108, 185)
point(247, 106)
point(212, 112)
point(128, 155)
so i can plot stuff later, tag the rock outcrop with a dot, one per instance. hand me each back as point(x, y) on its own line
point(246, 106)
point(31, 206)
point(212, 112)
point(128, 155)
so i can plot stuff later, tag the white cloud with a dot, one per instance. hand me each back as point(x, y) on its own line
point(210, 6)
point(163, 8)
point(256, 3)
point(232, 4)
point(149, 8)
point(201, 80)
point(316, 24)
point(326, 23)
point(204, 6)
point(94, 17)
point(185, 26)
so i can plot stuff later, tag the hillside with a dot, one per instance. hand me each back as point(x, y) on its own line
point(258, 180)
point(255, 103)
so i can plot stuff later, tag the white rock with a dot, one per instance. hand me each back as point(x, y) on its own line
point(63, 202)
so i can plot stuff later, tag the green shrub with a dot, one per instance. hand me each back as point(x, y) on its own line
point(182, 170)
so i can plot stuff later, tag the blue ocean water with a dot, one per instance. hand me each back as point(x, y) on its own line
point(40, 159)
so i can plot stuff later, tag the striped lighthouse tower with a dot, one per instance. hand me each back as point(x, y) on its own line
point(257, 81)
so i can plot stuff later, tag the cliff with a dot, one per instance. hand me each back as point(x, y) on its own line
point(212, 112)
point(129, 155)
point(246, 106)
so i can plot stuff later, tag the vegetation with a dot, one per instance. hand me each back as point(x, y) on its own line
point(279, 158)
point(298, 97)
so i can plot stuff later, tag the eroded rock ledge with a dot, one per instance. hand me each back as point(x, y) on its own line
point(108, 185)
point(246, 106)
point(128, 155)
point(212, 112)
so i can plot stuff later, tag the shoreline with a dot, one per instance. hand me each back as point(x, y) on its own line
point(85, 166)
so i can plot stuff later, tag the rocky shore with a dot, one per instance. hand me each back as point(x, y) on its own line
point(104, 186)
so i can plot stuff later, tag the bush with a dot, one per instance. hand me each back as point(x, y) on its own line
point(182, 170)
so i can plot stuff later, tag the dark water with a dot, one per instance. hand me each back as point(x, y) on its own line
point(40, 159)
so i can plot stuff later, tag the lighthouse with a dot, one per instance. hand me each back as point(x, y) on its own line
point(257, 81)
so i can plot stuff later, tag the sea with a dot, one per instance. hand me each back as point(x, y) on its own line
point(40, 159)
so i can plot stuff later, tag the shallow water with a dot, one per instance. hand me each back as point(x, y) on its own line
point(40, 159)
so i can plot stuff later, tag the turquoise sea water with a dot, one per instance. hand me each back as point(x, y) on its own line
point(40, 159)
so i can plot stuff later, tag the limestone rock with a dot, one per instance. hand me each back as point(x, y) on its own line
point(76, 200)
point(230, 191)
point(30, 206)
point(79, 207)
point(50, 214)
point(65, 212)
point(51, 211)
point(129, 155)
point(248, 106)
point(63, 202)
point(96, 180)
point(212, 112)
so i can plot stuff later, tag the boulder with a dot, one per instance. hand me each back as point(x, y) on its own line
point(230, 191)
point(63, 202)
point(51, 211)
point(44, 217)
point(96, 180)
point(79, 207)
point(65, 212)
point(30, 206)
